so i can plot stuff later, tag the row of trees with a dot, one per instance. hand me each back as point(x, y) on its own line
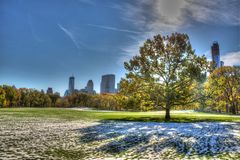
point(10, 96)
point(223, 89)
point(104, 102)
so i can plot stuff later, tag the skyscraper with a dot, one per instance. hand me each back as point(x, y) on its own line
point(49, 90)
point(71, 85)
point(118, 87)
point(215, 54)
point(108, 84)
point(89, 87)
point(222, 63)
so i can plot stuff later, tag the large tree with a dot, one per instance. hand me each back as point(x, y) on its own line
point(224, 87)
point(170, 68)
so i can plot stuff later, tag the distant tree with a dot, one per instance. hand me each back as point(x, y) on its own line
point(45, 100)
point(12, 95)
point(120, 102)
point(34, 97)
point(106, 101)
point(62, 102)
point(77, 99)
point(2, 97)
point(54, 97)
point(169, 67)
point(24, 97)
point(224, 88)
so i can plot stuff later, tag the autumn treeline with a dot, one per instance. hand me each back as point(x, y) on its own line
point(220, 92)
point(103, 102)
point(10, 96)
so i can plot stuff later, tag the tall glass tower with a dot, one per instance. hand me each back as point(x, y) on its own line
point(71, 85)
point(216, 55)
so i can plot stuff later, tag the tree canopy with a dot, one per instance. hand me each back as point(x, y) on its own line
point(170, 68)
point(224, 87)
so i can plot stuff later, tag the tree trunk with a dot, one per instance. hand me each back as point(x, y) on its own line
point(237, 107)
point(227, 108)
point(167, 115)
point(233, 109)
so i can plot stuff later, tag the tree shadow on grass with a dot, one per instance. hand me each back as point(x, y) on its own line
point(173, 119)
point(125, 143)
point(202, 138)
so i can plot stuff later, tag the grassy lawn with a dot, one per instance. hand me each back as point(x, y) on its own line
point(70, 114)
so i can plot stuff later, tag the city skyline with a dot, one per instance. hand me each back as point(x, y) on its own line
point(43, 42)
point(107, 86)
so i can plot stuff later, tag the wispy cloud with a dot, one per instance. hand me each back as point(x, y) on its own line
point(127, 52)
point(113, 28)
point(33, 30)
point(165, 16)
point(170, 15)
point(223, 12)
point(232, 58)
point(137, 38)
point(70, 35)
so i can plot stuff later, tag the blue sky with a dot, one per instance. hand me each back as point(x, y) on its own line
point(44, 42)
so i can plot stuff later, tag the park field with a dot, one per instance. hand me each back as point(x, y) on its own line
point(71, 133)
point(157, 116)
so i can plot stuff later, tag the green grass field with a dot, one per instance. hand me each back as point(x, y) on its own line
point(71, 114)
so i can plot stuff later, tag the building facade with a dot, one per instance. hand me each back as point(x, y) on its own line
point(90, 87)
point(221, 64)
point(215, 55)
point(108, 84)
point(49, 90)
point(118, 87)
point(71, 85)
